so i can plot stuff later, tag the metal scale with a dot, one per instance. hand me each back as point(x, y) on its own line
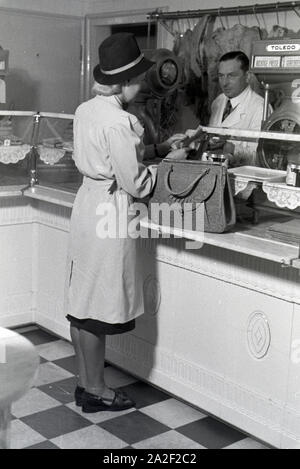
point(276, 64)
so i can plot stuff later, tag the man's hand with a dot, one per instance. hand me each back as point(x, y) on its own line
point(216, 143)
point(229, 148)
point(220, 143)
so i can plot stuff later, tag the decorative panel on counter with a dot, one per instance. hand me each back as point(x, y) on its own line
point(218, 330)
point(16, 253)
point(282, 195)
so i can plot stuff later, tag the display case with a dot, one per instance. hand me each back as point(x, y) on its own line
point(37, 147)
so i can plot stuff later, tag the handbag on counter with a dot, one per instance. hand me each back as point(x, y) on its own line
point(192, 186)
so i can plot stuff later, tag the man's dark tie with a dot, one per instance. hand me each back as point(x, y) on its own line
point(228, 110)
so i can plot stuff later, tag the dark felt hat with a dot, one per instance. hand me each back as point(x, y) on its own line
point(120, 59)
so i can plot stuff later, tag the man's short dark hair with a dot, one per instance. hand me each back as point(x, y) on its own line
point(239, 56)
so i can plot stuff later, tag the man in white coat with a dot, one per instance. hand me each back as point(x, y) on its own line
point(238, 107)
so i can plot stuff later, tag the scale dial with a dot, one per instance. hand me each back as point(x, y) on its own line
point(273, 154)
point(168, 73)
point(164, 77)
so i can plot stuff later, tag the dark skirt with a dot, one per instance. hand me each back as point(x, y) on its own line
point(100, 328)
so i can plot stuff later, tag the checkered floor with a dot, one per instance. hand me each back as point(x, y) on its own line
point(47, 418)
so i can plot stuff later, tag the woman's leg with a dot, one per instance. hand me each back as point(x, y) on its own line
point(93, 350)
point(79, 358)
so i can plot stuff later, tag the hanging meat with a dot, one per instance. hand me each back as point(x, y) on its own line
point(182, 48)
point(178, 27)
point(197, 44)
point(191, 83)
point(189, 47)
point(281, 31)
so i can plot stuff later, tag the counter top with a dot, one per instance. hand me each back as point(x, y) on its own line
point(56, 186)
point(11, 191)
point(52, 195)
point(244, 239)
point(60, 195)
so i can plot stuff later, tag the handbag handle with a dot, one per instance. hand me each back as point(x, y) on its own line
point(190, 187)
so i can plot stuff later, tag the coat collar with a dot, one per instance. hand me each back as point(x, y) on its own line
point(240, 105)
point(240, 99)
point(112, 100)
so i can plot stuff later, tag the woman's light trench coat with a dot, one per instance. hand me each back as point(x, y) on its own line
point(103, 278)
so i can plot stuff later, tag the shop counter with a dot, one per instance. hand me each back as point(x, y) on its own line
point(221, 328)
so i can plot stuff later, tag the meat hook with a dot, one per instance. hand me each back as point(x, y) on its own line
point(277, 12)
point(255, 14)
point(296, 11)
point(238, 14)
point(168, 28)
point(220, 17)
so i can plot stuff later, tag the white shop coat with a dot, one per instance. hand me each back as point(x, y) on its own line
point(104, 282)
point(247, 114)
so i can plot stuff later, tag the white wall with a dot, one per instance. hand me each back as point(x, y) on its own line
point(83, 7)
point(64, 7)
point(44, 62)
point(290, 19)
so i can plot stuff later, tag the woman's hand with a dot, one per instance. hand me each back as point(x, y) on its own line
point(172, 142)
point(179, 154)
point(175, 140)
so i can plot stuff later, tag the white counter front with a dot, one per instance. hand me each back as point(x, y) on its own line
point(222, 323)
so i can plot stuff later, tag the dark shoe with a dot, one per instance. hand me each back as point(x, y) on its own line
point(92, 403)
point(78, 395)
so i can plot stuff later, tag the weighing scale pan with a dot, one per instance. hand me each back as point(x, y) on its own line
point(256, 174)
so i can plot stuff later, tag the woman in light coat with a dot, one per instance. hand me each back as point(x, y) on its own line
point(104, 286)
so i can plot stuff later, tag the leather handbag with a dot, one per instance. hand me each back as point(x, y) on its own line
point(188, 190)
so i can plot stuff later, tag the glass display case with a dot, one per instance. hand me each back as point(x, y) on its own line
point(37, 148)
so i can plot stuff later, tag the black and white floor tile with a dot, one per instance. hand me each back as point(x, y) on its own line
point(47, 417)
